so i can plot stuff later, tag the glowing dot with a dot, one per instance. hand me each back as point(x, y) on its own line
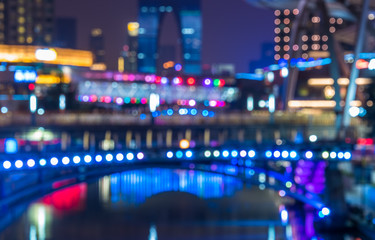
point(109, 157)
point(325, 155)
point(225, 153)
point(189, 154)
point(31, 163)
point(54, 161)
point(251, 153)
point(119, 157)
point(216, 153)
point(243, 153)
point(285, 154)
point(130, 156)
point(169, 154)
point(140, 156)
point(7, 164)
point(98, 158)
point(76, 159)
point(42, 162)
point(207, 154)
point(65, 160)
point(288, 184)
point(333, 155)
point(308, 154)
point(184, 144)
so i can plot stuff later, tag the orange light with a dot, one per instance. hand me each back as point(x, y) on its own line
point(184, 144)
point(362, 64)
point(191, 81)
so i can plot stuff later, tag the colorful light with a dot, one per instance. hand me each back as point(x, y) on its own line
point(190, 81)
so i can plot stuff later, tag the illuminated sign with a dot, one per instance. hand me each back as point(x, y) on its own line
point(47, 79)
point(25, 76)
point(48, 54)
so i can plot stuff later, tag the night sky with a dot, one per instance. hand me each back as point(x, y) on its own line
point(233, 31)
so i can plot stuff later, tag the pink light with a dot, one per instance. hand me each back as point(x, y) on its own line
point(93, 98)
point(107, 99)
point(118, 77)
point(131, 77)
point(158, 80)
point(119, 101)
point(144, 100)
point(125, 77)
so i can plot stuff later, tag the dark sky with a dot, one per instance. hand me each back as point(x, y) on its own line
point(233, 31)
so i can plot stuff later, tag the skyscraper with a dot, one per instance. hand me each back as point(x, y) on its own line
point(28, 22)
point(188, 15)
point(97, 48)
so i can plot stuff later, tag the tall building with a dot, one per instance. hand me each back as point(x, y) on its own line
point(97, 48)
point(189, 20)
point(28, 22)
point(129, 52)
point(66, 32)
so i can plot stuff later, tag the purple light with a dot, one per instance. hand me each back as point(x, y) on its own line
point(85, 98)
point(207, 82)
point(119, 101)
point(178, 67)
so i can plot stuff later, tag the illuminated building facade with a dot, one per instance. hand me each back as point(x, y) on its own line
point(129, 53)
point(312, 43)
point(189, 20)
point(97, 48)
point(26, 22)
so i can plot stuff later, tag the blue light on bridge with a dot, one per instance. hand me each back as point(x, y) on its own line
point(205, 113)
point(170, 112)
point(326, 211)
point(276, 154)
point(243, 153)
point(333, 155)
point(207, 153)
point(140, 156)
point(7, 164)
point(179, 154)
point(19, 164)
point(65, 160)
point(285, 154)
point(340, 155)
point(293, 154)
point(268, 154)
point(130, 156)
point(98, 158)
point(251, 153)
point(169, 154)
point(309, 154)
point(109, 157)
point(42, 162)
point(87, 159)
point(225, 153)
point(76, 159)
point(31, 163)
point(119, 157)
point(189, 154)
point(234, 153)
point(54, 161)
point(216, 153)
point(347, 155)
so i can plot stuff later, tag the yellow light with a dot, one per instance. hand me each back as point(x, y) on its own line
point(356, 103)
point(99, 67)
point(120, 64)
point(341, 81)
point(47, 79)
point(184, 144)
point(311, 104)
point(133, 28)
point(27, 54)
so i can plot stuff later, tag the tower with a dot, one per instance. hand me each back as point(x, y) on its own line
point(188, 15)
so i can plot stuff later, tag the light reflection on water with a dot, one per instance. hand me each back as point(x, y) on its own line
point(231, 210)
point(134, 187)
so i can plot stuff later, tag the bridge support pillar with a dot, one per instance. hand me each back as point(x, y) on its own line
point(138, 140)
point(188, 134)
point(207, 137)
point(168, 140)
point(258, 136)
point(334, 196)
point(241, 135)
point(86, 140)
point(149, 139)
point(159, 137)
point(128, 139)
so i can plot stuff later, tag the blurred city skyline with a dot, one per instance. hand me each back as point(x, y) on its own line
point(232, 35)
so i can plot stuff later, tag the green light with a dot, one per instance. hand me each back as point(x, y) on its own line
point(288, 184)
point(216, 82)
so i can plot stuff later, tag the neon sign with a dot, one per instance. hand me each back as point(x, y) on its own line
point(25, 76)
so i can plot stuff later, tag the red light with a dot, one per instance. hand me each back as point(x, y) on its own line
point(133, 100)
point(221, 83)
point(362, 64)
point(191, 81)
point(31, 87)
point(177, 81)
point(158, 80)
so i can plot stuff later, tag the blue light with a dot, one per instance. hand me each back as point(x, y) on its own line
point(130, 156)
point(340, 155)
point(189, 154)
point(251, 153)
point(170, 154)
point(204, 113)
point(98, 158)
point(248, 163)
point(142, 116)
point(87, 159)
point(321, 215)
point(65, 160)
point(309, 154)
point(170, 112)
point(42, 162)
point(225, 153)
point(293, 154)
point(76, 159)
point(178, 67)
point(109, 157)
point(11, 145)
point(4, 110)
point(179, 154)
point(25, 76)
point(276, 154)
point(140, 155)
point(31, 163)
point(194, 111)
point(7, 164)
point(54, 161)
point(234, 153)
point(347, 155)
point(211, 114)
point(120, 157)
point(325, 211)
point(268, 154)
